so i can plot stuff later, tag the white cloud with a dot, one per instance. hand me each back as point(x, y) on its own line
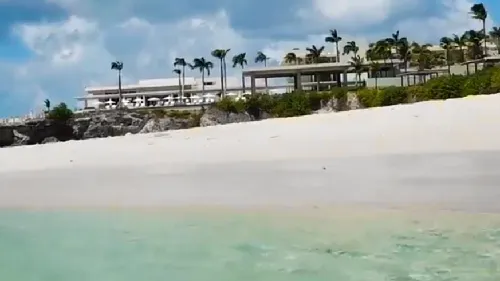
point(76, 52)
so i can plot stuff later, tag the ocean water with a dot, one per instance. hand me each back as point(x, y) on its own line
point(202, 244)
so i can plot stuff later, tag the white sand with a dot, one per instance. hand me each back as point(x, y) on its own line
point(449, 157)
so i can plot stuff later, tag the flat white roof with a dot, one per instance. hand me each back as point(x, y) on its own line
point(145, 84)
point(308, 68)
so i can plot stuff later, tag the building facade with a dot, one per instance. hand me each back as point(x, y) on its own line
point(160, 92)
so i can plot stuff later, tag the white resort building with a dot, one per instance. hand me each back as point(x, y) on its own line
point(162, 92)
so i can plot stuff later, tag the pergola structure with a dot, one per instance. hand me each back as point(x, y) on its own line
point(421, 74)
point(335, 69)
point(486, 61)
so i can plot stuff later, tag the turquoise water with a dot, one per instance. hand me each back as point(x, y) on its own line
point(221, 245)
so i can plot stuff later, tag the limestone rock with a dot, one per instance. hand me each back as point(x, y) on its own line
point(214, 116)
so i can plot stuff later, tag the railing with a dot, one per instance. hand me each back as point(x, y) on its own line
point(23, 119)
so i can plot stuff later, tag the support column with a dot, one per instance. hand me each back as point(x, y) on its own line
point(252, 85)
point(85, 104)
point(243, 83)
point(337, 77)
point(299, 81)
point(344, 78)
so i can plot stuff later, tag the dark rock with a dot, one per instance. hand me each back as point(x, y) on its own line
point(20, 139)
point(214, 116)
point(50, 140)
point(155, 125)
point(6, 136)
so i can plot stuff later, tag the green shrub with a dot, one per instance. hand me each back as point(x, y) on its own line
point(61, 112)
point(391, 96)
point(180, 114)
point(230, 105)
point(445, 87)
point(318, 99)
point(495, 81)
point(158, 113)
point(292, 104)
point(417, 93)
point(367, 97)
point(339, 93)
point(255, 105)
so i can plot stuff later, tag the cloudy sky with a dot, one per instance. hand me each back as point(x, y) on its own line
point(54, 48)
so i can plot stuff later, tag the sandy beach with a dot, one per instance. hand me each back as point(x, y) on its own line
point(440, 154)
point(396, 193)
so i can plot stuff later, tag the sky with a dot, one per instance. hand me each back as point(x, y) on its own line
point(55, 48)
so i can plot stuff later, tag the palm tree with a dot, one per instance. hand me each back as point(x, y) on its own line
point(461, 42)
point(334, 38)
point(47, 104)
point(478, 12)
point(357, 64)
point(423, 57)
point(178, 72)
point(404, 51)
point(383, 49)
point(351, 47)
point(375, 69)
point(446, 44)
point(240, 60)
point(291, 58)
point(495, 34)
point(224, 55)
point(393, 43)
point(314, 55)
point(474, 40)
point(182, 63)
point(204, 66)
point(262, 58)
point(219, 54)
point(118, 65)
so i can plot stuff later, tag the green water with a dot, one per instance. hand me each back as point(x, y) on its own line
point(177, 245)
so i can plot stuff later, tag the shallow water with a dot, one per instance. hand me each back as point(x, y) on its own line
point(196, 245)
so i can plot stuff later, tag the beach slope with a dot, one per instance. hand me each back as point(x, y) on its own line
point(440, 154)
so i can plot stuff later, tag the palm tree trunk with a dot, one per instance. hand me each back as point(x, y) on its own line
point(222, 79)
point(203, 82)
point(120, 89)
point(317, 82)
point(265, 80)
point(183, 80)
point(225, 77)
point(448, 61)
point(338, 53)
point(484, 33)
point(180, 82)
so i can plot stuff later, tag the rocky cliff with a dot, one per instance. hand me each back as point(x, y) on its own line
point(110, 124)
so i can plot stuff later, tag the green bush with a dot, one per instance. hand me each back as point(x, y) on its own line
point(230, 105)
point(445, 87)
point(367, 97)
point(391, 96)
point(299, 103)
point(481, 83)
point(292, 104)
point(255, 105)
point(318, 99)
point(417, 93)
point(180, 114)
point(61, 112)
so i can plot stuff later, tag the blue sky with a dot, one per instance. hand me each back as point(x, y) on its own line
point(54, 48)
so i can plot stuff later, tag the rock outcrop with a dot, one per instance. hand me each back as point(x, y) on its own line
point(214, 116)
point(88, 126)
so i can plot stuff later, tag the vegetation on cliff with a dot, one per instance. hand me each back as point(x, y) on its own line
point(297, 103)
